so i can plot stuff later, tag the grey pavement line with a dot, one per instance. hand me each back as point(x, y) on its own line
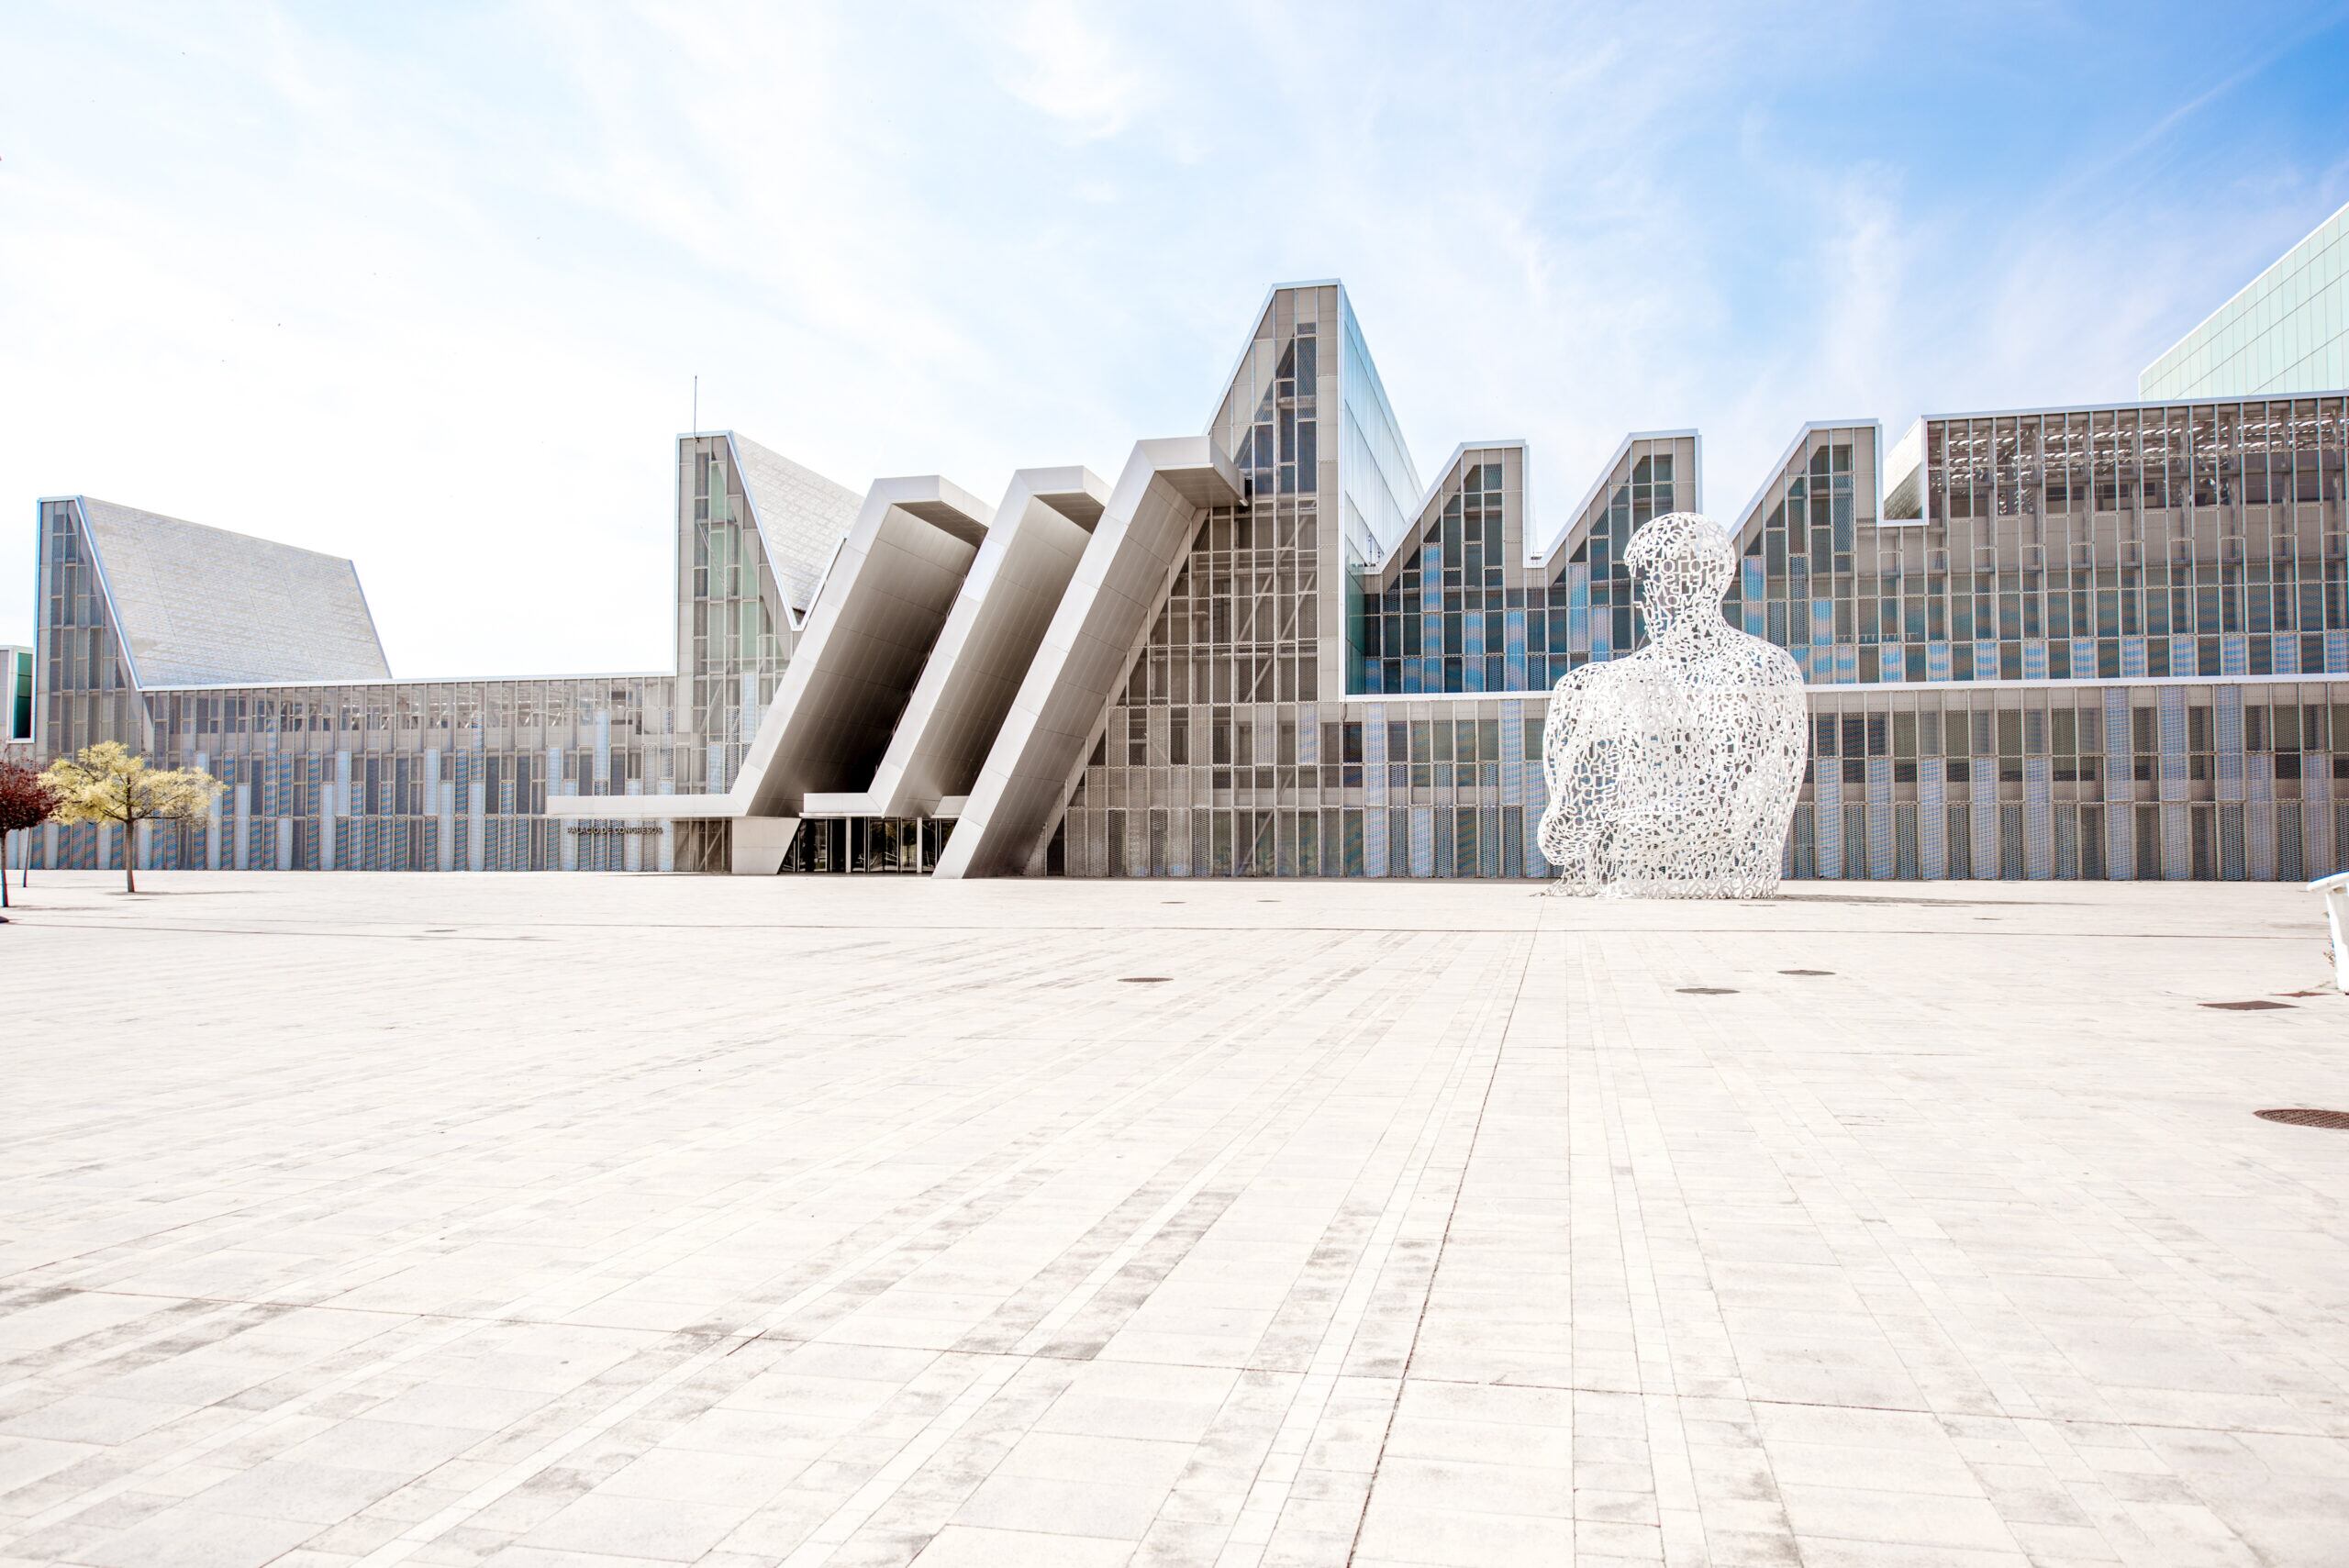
point(870, 1498)
point(1098, 1278)
point(1331, 1044)
point(1101, 1274)
point(841, 1527)
point(709, 1048)
point(753, 1037)
point(1898, 1253)
point(765, 1195)
point(261, 1421)
point(867, 1155)
point(2315, 934)
point(827, 1338)
point(848, 1087)
point(1630, 1205)
point(1443, 1242)
point(962, 1198)
point(2119, 1532)
point(1268, 1491)
point(144, 926)
point(391, 1179)
point(237, 1432)
point(421, 1534)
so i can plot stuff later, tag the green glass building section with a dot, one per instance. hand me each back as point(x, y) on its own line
point(2287, 331)
point(16, 689)
point(1465, 614)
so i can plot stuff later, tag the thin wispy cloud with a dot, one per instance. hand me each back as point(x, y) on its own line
point(1064, 65)
point(430, 287)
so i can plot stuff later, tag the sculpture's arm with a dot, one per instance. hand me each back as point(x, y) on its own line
point(1568, 828)
point(1792, 708)
point(1564, 717)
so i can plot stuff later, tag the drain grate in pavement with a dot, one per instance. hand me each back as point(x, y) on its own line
point(1806, 971)
point(1708, 991)
point(2333, 1121)
point(1143, 979)
point(2246, 1006)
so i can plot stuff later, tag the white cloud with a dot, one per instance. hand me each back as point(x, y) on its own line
point(1067, 66)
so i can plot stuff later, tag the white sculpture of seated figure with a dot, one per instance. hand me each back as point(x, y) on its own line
point(1673, 772)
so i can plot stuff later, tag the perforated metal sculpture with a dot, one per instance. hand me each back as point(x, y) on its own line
point(1673, 772)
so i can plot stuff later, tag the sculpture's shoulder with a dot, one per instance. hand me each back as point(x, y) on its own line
point(1772, 664)
point(1578, 694)
point(1739, 659)
point(1578, 679)
point(1573, 685)
point(1600, 673)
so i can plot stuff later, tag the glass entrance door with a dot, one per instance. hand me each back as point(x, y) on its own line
point(905, 846)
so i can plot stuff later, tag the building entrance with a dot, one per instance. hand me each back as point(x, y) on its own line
point(908, 847)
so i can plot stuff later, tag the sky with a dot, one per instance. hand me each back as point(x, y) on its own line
point(428, 286)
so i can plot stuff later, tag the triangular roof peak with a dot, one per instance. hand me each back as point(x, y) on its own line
point(193, 605)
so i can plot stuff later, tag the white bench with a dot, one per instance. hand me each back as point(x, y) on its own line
point(2335, 889)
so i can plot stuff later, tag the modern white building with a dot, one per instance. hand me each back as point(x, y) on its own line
point(2094, 641)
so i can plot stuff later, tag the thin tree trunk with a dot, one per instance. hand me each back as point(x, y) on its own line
point(129, 853)
point(4, 868)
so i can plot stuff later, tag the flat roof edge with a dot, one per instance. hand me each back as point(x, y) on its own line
point(405, 681)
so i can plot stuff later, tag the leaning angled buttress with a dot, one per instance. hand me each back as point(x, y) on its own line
point(1672, 772)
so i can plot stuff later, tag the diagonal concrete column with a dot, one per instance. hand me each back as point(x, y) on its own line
point(1015, 585)
point(1119, 585)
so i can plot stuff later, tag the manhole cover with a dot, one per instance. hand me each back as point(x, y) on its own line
point(1143, 979)
point(1806, 971)
point(2333, 1121)
point(2246, 1006)
point(1708, 991)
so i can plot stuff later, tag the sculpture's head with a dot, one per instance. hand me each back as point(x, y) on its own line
point(1680, 566)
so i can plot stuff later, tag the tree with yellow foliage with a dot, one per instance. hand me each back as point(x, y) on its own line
point(110, 782)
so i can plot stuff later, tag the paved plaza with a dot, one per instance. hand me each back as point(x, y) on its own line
point(593, 1222)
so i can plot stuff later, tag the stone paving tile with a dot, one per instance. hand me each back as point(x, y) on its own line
point(588, 1222)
